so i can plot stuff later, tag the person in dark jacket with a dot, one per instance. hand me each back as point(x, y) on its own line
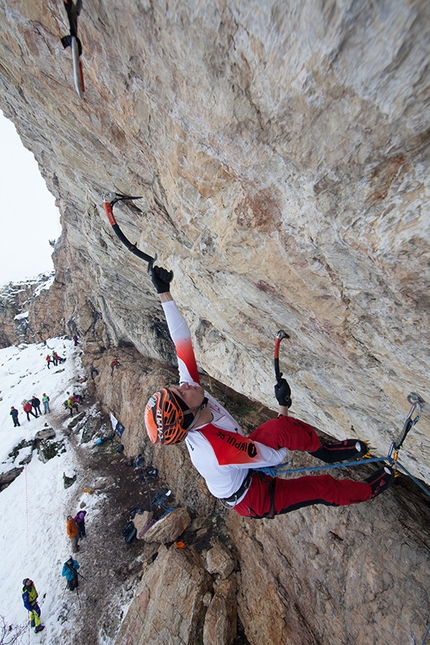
point(14, 414)
point(35, 402)
point(28, 409)
point(70, 572)
point(80, 521)
point(29, 598)
point(93, 370)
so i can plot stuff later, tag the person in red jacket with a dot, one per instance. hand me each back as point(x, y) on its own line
point(28, 409)
point(229, 461)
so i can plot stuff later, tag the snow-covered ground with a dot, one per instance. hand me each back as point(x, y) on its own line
point(33, 509)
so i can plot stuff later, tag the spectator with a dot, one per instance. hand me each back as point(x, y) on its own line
point(45, 401)
point(73, 533)
point(55, 358)
point(48, 360)
point(72, 404)
point(70, 572)
point(80, 521)
point(29, 598)
point(75, 340)
point(14, 414)
point(93, 371)
point(35, 402)
point(28, 409)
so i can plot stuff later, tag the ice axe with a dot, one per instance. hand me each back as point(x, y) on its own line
point(279, 337)
point(109, 201)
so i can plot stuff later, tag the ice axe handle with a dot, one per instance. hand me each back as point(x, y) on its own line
point(108, 206)
point(279, 337)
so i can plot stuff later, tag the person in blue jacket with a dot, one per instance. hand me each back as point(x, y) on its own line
point(29, 598)
point(70, 572)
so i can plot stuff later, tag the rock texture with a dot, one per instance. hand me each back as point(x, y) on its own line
point(353, 576)
point(281, 152)
point(31, 311)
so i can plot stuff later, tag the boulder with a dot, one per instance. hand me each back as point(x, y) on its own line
point(169, 527)
point(219, 561)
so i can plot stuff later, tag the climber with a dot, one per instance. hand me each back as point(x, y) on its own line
point(228, 460)
point(73, 10)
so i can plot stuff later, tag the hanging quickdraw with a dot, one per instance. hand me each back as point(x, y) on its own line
point(73, 10)
point(417, 402)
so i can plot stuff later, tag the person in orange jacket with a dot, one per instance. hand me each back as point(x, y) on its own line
point(73, 533)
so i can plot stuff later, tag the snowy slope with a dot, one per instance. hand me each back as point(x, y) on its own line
point(33, 509)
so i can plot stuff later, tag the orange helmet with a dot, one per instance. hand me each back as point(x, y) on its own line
point(167, 417)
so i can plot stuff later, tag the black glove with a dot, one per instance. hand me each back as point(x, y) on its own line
point(283, 393)
point(161, 278)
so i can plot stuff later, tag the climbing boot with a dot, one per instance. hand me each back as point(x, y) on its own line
point(347, 450)
point(39, 629)
point(380, 480)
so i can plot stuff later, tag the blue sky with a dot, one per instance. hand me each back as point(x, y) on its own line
point(29, 217)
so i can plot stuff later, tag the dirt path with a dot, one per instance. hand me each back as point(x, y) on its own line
point(110, 567)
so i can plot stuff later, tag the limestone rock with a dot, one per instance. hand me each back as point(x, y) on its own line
point(169, 527)
point(141, 522)
point(48, 433)
point(221, 617)
point(168, 607)
point(281, 154)
point(9, 476)
point(219, 561)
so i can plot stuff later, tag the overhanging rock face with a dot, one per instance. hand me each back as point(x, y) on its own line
point(281, 152)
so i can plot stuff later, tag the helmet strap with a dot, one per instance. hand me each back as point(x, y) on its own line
point(197, 410)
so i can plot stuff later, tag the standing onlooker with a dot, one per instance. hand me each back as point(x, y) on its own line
point(93, 371)
point(45, 401)
point(114, 363)
point(28, 409)
point(70, 571)
point(75, 340)
point(29, 598)
point(55, 358)
point(14, 414)
point(73, 533)
point(35, 402)
point(80, 521)
point(72, 403)
point(48, 360)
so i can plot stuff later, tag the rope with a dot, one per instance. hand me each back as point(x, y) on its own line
point(273, 471)
point(418, 483)
point(282, 469)
point(26, 503)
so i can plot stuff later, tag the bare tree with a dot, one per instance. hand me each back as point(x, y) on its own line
point(11, 634)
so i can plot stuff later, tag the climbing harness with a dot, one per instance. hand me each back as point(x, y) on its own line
point(73, 10)
point(109, 201)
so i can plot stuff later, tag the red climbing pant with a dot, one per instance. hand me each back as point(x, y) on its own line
point(268, 496)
